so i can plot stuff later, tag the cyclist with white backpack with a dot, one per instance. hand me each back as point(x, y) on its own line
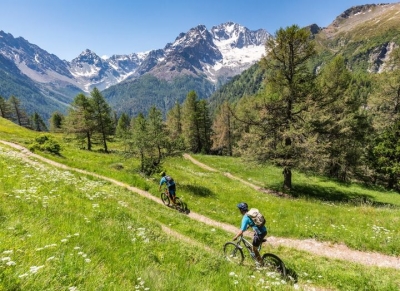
point(165, 179)
point(255, 220)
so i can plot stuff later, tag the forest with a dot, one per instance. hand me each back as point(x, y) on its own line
point(326, 119)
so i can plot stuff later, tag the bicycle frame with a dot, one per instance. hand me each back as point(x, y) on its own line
point(248, 245)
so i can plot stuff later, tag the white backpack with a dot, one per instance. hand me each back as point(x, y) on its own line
point(256, 217)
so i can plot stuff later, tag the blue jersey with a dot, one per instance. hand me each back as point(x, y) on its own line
point(246, 222)
point(167, 180)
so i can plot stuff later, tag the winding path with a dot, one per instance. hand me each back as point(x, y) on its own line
point(326, 249)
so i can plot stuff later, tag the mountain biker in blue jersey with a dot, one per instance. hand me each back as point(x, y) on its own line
point(259, 231)
point(165, 179)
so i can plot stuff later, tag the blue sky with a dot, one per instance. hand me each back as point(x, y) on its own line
point(68, 27)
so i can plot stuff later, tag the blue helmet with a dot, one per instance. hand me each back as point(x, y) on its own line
point(243, 206)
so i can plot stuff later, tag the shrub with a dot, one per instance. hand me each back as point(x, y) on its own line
point(44, 143)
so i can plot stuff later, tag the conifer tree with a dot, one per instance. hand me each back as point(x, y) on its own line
point(56, 122)
point(156, 131)
point(123, 126)
point(339, 121)
point(205, 125)
point(140, 138)
point(190, 124)
point(5, 110)
point(276, 133)
point(223, 131)
point(79, 120)
point(383, 153)
point(102, 118)
point(18, 114)
point(174, 127)
point(37, 122)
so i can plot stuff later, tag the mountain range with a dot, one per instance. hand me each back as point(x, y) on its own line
point(207, 61)
point(210, 56)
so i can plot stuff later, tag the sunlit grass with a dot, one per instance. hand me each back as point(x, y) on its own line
point(66, 231)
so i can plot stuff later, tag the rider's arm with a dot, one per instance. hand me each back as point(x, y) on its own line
point(238, 234)
point(162, 181)
point(243, 227)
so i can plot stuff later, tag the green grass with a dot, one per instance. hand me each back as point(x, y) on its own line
point(85, 233)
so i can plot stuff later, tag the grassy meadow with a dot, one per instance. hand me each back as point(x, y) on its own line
point(61, 230)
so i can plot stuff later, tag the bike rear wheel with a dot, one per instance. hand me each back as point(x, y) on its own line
point(233, 253)
point(165, 198)
point(179, 204)
point(273, 263)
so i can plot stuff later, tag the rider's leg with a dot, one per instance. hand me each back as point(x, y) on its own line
point(257, 254)
point(171, 191)
point(257, 241)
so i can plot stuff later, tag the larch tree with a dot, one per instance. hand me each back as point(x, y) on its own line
point(102, 117)
point(37, 122)
point(339, 121)
point(140, 139)
point(5, 110)
point(190, 124)
point(18, 114)
point(289, 86)
point(223, 131)
point(205, 125)
point(384, 154)
point(123, 128)
point(79, 120)
point(157, 132)
point(56, 121)
point(174, 127)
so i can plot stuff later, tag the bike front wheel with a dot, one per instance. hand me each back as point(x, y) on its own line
point(233, 253)
point(273, 263)
point(165, 198)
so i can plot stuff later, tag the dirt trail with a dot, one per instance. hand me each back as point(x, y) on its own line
point(325, 249)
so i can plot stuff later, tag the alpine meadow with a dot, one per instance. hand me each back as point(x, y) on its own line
point(308, 135)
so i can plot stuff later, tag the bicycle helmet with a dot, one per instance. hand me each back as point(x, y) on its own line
point(243, 206)
point(162, 174)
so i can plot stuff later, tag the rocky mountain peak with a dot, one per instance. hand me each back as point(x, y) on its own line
point(88, 56)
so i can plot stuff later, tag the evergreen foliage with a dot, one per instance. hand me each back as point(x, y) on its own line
point(278, 128)
point(37, 122)
point(102, 119)
point(56, 122)
point(196, 125)
point(141, 94)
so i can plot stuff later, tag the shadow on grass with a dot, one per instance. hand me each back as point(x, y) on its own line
point(331, 194)
point(197, 190)
point(291, 275)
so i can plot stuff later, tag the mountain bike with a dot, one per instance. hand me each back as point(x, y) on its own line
point(166, 199)
point(234, 253)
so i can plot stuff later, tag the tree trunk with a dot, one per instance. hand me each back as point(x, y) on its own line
point(287, 178)
point(89, 142)
point(391, 181)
